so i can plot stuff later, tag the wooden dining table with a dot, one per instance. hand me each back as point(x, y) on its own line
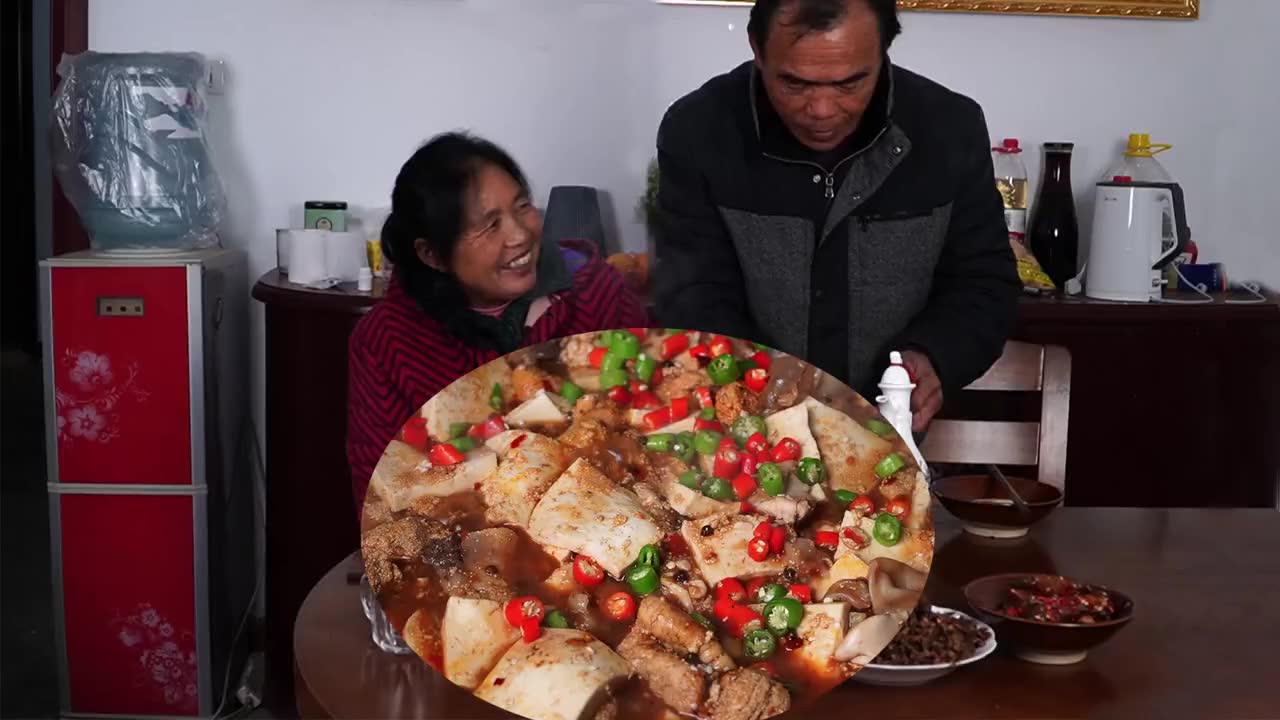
point(1204, 641)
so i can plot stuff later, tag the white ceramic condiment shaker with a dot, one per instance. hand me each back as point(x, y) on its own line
point(895, 403)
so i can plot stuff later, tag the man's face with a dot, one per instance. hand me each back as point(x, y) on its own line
point(821, 83)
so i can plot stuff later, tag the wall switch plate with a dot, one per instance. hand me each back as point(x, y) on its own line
point(217, 79)
point(120, 306)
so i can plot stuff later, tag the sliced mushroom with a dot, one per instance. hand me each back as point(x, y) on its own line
point(895, 586)
point(865, 641)
point(850, 590)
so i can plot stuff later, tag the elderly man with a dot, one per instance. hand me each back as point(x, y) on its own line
point(836, 206)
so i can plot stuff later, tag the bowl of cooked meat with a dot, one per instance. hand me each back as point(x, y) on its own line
point(932, 643)
point(648, 523)
point(1049, 619)
point(985, 509)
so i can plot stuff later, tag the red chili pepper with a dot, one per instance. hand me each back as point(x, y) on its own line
point(701, 424)
point(705, 398)
point(414, 432)
point(744, 485)
point(898, 508)
point(645, 400)
point(659, 418)
point(638, 386)
point(743, 620)
point(526, 607)
point(746, 508)
point(720, 345)
point(530, 629)
point(586, 572)
point(863, 505)
point(597, 357)
point(757, 442)
point(728, 442)
point(656, 378)
point(753, 587)
point(674, 345)
point(723, 608)
point(620, 606)
point(676, 544)
point(762, 530)
point(855, 536)
point(764, 456)
point(679, 409)
point(487, 429)
point(777, 540)
point(803, 593)
point(619, 394)
point(763, 359)
point(786, 450)
point(749, 464)
point(728, 463)
point(730, 588)
point(518, 441)
point(826, 538)
point(758, 550)
point(638, 332)
point(701, 352)
point(756, 379)
point(445, 454)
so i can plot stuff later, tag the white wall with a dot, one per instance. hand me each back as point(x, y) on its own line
point(327, 97)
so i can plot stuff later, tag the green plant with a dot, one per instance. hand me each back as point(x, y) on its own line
point(647, 206)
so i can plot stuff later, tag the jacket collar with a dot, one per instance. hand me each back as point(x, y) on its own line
point(775, 140)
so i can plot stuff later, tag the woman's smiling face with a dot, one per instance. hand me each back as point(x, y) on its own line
point(496, 256)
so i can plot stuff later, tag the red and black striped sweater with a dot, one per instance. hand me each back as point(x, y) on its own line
point(399, 356)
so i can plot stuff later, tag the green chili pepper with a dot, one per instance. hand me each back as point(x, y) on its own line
point(891, 464)
point(761, 346)
point(880, 427)
point(746, 426)
point(625, 345)
point(811, 471)
point(675, 331)
point(845, 497)
point(645, 366)
point(643, 579)
point(682, 447)
point(702, 620)
point(887, 530)
point(759, 644)
point(691, 479)
point(495, 398)
point(649, 556)
point(555, 619)
point(464, 444)
point(613, 378)
point(783, 615)
point(745, 365)
point(706, 442)
point(659, 442)
point(606, 338)
point(770, 477)
point(717, 489)
point(457, 430)
point(723, 370)
point(769, 593)
point(612, 361)
point(707, 413)
point(570, 392)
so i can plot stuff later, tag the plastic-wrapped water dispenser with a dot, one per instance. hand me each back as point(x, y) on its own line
point(130, 150)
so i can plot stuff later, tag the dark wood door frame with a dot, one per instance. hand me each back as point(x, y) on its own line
point(68, 33)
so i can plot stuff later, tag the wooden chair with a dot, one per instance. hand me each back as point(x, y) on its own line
point(1022, 367)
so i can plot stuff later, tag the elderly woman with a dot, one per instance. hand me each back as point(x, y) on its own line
point(474, 279)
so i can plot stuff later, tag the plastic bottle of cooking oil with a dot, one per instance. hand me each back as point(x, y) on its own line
point(1011, 181)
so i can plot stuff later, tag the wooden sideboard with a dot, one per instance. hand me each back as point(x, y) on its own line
point(1170, 406)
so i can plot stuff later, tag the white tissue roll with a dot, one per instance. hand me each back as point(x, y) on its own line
point(310, 257)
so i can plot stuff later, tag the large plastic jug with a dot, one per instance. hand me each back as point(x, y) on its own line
point(130, 151)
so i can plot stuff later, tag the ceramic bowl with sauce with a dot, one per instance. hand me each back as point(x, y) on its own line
point(984, 507)
point(1042, 642)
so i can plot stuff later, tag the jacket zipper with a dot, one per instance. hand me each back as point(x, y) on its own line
point(829, 178)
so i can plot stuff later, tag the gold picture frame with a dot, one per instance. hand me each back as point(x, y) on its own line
point(1160, 9)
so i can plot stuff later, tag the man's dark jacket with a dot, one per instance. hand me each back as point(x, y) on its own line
point(912, 219)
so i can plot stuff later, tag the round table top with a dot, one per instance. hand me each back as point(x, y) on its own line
point(274, 288)
point(1206, 585)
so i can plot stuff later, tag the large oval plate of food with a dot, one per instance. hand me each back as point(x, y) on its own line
point(647, 524)
point(934, 642)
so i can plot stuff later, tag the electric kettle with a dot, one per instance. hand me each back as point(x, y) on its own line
point(1138, 229)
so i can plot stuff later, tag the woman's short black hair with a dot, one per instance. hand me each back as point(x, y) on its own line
point(821, 16)
point(429, 201)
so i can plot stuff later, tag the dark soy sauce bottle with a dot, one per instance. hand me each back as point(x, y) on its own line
point(1054, 235)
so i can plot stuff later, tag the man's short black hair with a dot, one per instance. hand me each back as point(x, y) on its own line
point(820, 16)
